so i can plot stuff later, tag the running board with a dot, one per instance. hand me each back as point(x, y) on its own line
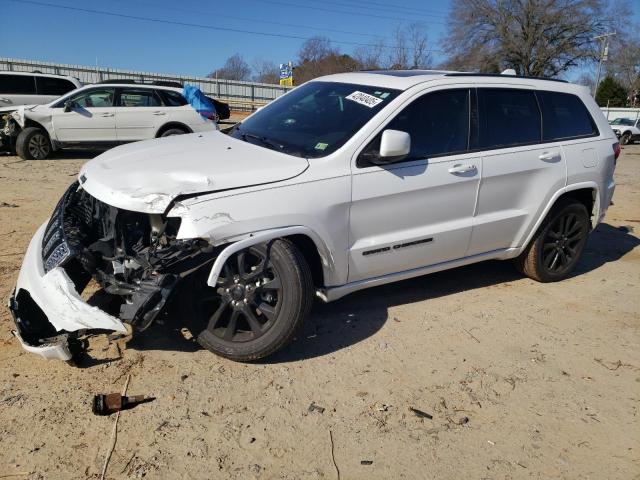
point(330, 294)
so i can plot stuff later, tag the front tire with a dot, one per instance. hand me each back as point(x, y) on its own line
point(625, 139)
point(558, 244)
point(33, 144)
point(260, 302)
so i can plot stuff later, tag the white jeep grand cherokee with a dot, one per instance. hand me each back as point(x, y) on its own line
point(346, 182)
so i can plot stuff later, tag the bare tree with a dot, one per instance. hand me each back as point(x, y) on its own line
point(235, 68)
point(624, 59)
point(266, 71)
point(418, 47)
point(369, 57)
point(315, 49)
point(318, 57)
point(398, 58)
point(534, 37)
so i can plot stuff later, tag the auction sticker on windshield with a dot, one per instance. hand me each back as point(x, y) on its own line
point(364, 99)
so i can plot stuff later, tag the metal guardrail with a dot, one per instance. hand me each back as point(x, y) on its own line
point(244, 96)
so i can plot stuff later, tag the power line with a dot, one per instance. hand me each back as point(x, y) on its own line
point(243, 19)
point(357, 14)
point(440, 13)
point(186, 24)
point(382, 6)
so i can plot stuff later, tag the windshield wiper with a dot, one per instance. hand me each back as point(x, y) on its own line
point(264, 140)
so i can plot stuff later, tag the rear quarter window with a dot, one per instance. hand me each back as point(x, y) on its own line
point(172, 99)
point(17, 84)
point(564, 116)
point(508, 117)
point(53, 86)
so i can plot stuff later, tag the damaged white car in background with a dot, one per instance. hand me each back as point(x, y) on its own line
point(101, 116)
point(347, 182)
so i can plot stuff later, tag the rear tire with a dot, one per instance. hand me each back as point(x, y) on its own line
point(262, 297)
point(33, 144)
point(558, 244)
point(173, 131)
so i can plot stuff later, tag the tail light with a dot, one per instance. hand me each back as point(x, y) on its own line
point(616, 152)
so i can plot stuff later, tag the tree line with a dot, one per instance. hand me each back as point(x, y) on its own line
point(546, 38)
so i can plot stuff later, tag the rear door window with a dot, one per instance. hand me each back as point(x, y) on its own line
point(130, 97)
point(508, 117)
point(564, 116)
point(17, 84)
point(173, 99)
point(53, 86)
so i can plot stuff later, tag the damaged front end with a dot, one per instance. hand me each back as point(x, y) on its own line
point(135, 258)
point(9, 130)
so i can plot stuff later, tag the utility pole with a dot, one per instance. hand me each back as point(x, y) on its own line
point(604, 53)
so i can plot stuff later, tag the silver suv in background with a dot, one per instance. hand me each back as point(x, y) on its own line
point(22, 88)
point(346, 182)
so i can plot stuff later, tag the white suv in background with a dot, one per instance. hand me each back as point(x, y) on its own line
point(22, 88)
point(626, 129)
point(102, 115)
point(346, 182)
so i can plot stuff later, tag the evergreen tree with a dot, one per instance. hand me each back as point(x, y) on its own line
point(611, 90)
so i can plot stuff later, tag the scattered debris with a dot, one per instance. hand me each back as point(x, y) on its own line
point(366, 462)
point(420, 413)
point(8, 205)
point(382, 407)
point(462, 421)
point(114, 402)
point(317, 408)
point(490, 442)
point(184, 377)
point(471, 335)
point(614, 366)
point(333, 457)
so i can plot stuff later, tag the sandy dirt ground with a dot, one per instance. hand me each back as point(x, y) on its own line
point(520, 379)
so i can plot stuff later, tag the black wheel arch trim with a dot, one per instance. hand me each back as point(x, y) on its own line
point(170, 125)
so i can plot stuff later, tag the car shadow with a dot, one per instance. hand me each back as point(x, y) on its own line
point(76, 154)
point(346, 322)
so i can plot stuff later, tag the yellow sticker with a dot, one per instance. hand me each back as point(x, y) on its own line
point(321, 146)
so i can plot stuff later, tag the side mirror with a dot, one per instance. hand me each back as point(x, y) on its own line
point(394, 146)
point(69, 105)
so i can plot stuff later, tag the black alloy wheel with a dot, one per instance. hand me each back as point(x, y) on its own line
point(558, 244)
point(261, 299)
point(247, 299)
point(561, 245)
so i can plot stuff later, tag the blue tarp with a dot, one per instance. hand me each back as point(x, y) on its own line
point(199, 101)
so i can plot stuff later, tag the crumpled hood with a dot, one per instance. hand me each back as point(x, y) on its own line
point(146, 176)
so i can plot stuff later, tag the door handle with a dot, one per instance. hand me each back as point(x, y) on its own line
point(550, 156)
point(159, 113)
point(2, 99)
point(107, 115)
point(461, 168)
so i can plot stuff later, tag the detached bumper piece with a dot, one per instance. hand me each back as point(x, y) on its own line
point(34, 331)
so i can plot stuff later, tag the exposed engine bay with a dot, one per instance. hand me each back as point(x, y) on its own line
point(134, 257)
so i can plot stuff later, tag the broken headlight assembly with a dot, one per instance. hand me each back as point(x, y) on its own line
point(135, 257)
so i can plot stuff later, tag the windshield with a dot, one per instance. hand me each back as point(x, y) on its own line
point(622, 121)
point(315, 119)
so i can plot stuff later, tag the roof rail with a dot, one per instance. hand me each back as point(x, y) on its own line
point(500, 75)
point(159, 83)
